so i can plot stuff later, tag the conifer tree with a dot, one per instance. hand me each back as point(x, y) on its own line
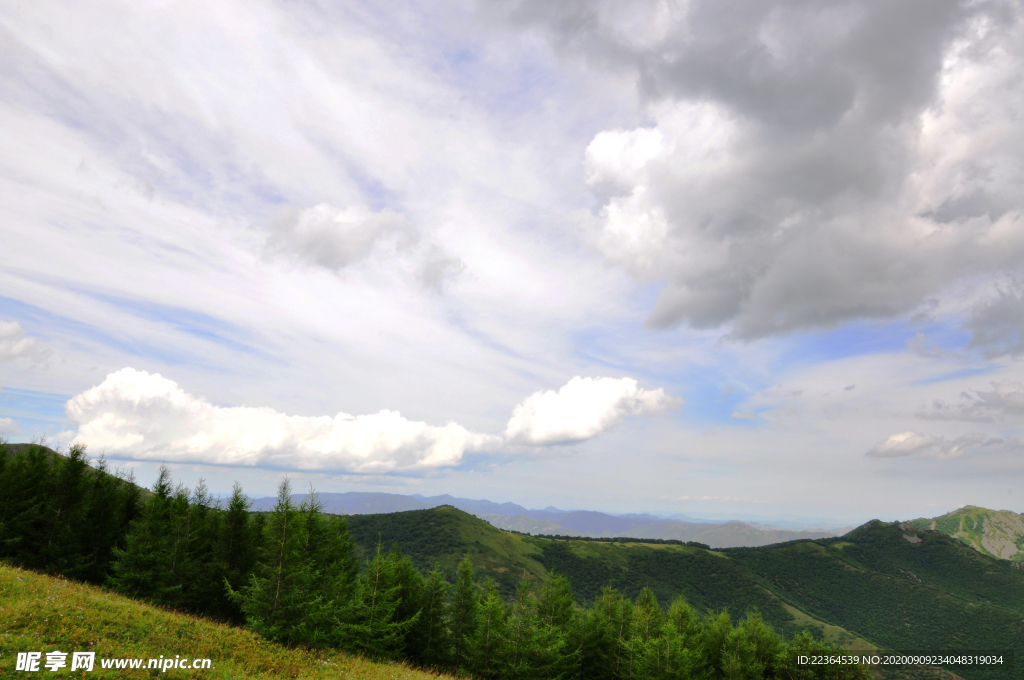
point(326, 580)
point(754, 647)
point(613, 621)
point(429, 639)
point(25, 506)
point(685, 655)
point(101, 528)
point(375, 630)
point(270, 600)
point(645, 655)
point(201, 587)
point(524, 656)
point(144, 566)
point(64, 509)
point(234, 552)
point(491, 634)
point(464, 611)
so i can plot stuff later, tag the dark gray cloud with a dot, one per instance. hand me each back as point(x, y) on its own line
point(807, 163)
point(997, 326)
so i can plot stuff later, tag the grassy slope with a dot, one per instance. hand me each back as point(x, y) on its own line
point(999, 533)
point(870, 588)
point(42, 613)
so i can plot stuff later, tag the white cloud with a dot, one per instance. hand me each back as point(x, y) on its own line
point(904, 444)
point(582, 409)
point(8, 426)
point(16, 345)
point(146, 416)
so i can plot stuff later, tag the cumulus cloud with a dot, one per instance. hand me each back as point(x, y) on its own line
point(337, 237)
point(806, 164)
point(1005, 399)
point(925, 446)
point(583, 408)
point(146, 416)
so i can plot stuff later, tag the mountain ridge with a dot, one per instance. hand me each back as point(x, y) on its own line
point(554, 521)
point(997, 533)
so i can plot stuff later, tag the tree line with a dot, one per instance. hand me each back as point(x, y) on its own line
point(292, 575)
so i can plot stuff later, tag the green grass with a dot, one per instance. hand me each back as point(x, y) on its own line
point(43, 613)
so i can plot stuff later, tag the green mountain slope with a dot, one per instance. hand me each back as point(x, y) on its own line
point(887, 586)
point(999, 533)
point(45, 614)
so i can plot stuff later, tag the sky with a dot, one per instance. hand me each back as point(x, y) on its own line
point(715, 257)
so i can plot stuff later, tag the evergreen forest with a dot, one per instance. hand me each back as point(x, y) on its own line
point(295, 575)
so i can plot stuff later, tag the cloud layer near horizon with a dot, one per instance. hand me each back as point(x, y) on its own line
point(148, 417)
point(145, 416)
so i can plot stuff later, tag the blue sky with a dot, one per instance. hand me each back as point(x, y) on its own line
point(731, 259)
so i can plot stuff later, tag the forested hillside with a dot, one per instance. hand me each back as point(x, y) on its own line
point(882, 585)
point(294, 576)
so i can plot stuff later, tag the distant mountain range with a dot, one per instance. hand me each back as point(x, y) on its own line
point(555, 522)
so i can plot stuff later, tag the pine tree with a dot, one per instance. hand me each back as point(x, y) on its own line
point(101, 530)
point(302, 583)
point(64, 510)
point(685, 655)
point(269, 600)
point(375, 630)
point(612, 621)
point(328, 572)
point(234, 554)
point(645, 654)
point(488, 651)
point(429, 640)
point(24, 516)
point(196, 570)
point(557, 646)
point(464, 611)
point(144, 566)
point(522, 658)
